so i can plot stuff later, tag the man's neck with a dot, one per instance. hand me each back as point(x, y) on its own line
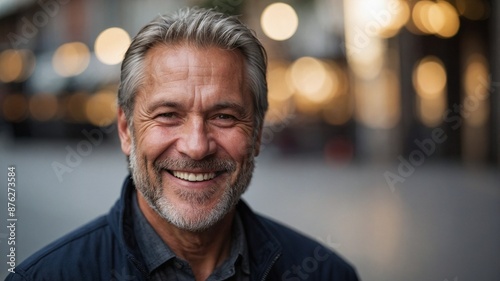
point(204, 251)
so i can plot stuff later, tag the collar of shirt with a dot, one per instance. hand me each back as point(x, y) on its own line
point(155, 252)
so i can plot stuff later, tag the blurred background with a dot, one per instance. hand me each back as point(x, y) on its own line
point(381, 140)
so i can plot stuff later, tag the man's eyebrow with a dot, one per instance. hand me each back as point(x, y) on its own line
point(230, 105)
point(162, 103)
point(238, 108)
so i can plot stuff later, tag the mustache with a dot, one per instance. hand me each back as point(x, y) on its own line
point(213, 164)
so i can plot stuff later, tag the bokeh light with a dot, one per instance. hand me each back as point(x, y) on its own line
point(71, 59)
point(75, 107)
point(429, 77)
point(450, 22)
point(100, 108)
point(395, 21)
point(431, 110)
point(477, 86)
point(368, 62)
point(16, 65)
point(279, 21)
point(313, 79)
point(339, 109)
point(278, 89)
point(429, 81)
point(43, 107)
point(111, 45)
point(439, 18)
point(378, 102)
point(279, 92)
point(279, 112)
point(15, 107)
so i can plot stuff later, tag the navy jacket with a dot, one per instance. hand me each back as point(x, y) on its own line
point(105, 249)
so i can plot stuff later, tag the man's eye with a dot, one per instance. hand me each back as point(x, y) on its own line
point(168, 118)
point(225, 117)
point(224, 120)
point(167, 115)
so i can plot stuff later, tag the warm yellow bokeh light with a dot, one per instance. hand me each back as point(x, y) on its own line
point(279, 112)
point(477, 79)
point(306, 106)
point(75, 107)
point(100, 108)
point(313, 79)
point(71, 59)
point(307, 75)
point(16, 65)
point(279, 21)
point(480, 115)
point(451, 20)
point(378, 101)
point(420, 16)
point(277, 86)
point(429, 77)
point(429, 80)
point(431, 110)
point(368, 62)
point(111, 45)
point(11, 65)
point(279, 93)
point(439, 18)
point(435, 18)
point(477, 86)
point(43, 107)
point(15, 107)
point(396, 20)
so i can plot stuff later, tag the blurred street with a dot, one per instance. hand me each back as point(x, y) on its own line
point(440, 224)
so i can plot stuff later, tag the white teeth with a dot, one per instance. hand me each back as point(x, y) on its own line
point(193, 176)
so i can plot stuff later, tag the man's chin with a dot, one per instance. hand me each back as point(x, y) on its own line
point(191, 217)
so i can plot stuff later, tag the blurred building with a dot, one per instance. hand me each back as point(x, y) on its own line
point(353, 80)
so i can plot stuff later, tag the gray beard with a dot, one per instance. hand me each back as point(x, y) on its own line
point(198, 219)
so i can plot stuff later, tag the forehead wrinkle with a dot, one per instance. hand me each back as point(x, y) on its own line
point(195, 72)
point(176, 73)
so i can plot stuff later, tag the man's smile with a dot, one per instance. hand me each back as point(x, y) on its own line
point(189, 176)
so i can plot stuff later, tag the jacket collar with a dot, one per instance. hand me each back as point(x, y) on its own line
point(263, 245)
point(264, 248)
point(120, 220)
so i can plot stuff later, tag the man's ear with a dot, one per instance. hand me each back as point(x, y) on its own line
point(124, 132)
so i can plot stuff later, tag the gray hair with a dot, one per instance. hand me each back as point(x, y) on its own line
point(202, 28)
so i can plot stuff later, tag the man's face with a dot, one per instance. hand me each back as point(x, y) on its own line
point(192, 143)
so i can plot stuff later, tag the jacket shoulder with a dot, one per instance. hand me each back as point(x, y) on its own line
point(303, 258)
point(71, 256)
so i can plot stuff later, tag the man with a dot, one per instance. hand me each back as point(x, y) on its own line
point(191, 109)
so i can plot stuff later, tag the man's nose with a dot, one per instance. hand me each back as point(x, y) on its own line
point(196, 141)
